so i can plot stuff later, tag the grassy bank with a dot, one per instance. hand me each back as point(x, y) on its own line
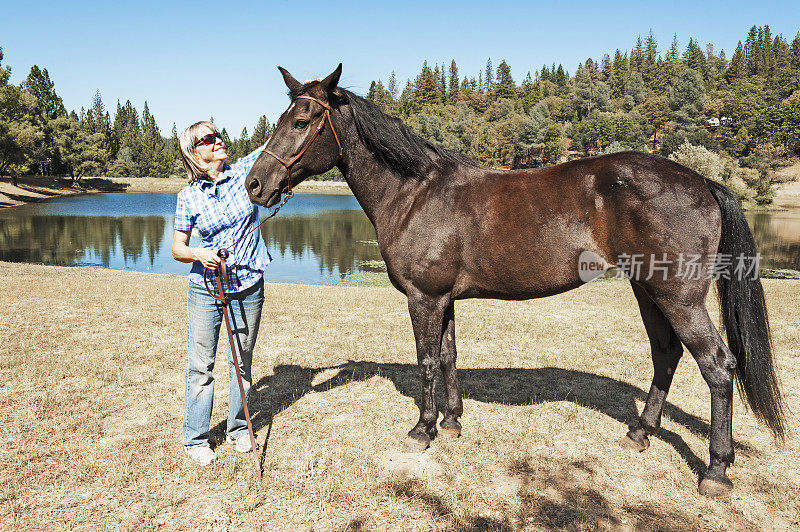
point(91, 394)
point(37, 188)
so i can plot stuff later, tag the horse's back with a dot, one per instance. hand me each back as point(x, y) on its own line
point(524, 230)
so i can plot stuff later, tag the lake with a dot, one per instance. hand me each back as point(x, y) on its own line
point(315, 239)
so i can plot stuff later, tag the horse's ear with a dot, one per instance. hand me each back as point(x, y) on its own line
point(332, 80)
point(293, 84)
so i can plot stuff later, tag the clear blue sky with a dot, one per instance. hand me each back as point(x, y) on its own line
point(191, 60)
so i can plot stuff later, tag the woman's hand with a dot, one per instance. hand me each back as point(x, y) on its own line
point(207, 257)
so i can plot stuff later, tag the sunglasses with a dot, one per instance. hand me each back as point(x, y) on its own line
point(211, 138)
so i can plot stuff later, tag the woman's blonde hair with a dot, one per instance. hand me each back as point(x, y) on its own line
point(188, 144)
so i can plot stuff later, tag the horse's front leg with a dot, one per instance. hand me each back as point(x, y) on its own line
point(427, 317)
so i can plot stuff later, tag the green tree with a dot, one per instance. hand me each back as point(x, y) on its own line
point(452, 86)
point(426, 88)
point(153, 160)
point(505, 86)
point(686, 99)
point(489, 75)
point(635, 91)
point(19, 129)
point(656, 111)
point(39, 85)
point(79, 148)
point(243, 143)
point(740, 144)
point(590, 95)
point(737, 68)
point(391, 85)
point(695, 58)
point(261, 132)
point(553, 144)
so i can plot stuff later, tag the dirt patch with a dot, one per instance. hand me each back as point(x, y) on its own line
point(787, 195)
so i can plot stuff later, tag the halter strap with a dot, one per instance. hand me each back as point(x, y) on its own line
point(321, 125)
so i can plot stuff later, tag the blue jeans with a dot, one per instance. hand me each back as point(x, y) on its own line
point(204, 318)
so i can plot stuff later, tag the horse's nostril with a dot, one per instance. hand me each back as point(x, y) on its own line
point(254, 185)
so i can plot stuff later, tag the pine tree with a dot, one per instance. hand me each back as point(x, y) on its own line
point(243, 144)
point(391, 85)
point(636, 89)
point(737, 68)
point(637, 55)
point(752, 51)
point(794, 53)
point(452, 87)
point(621, 70)
point(561, 76)
point(695, 58)
point(648, 69)
point(505, 87)
point(442, 84)
point(153, 162)
point(426, 87)
point(674, 52)
point(261, 132)
point(489, 75)
point(39, 85)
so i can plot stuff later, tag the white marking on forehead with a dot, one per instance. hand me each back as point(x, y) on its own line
point(291, 107)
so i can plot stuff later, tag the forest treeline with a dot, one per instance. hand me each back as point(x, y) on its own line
point(38, 135)
point(723, 117)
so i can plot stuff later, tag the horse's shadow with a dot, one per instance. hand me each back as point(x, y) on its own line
point(513, 386)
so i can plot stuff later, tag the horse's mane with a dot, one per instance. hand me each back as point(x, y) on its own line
point(392, 142)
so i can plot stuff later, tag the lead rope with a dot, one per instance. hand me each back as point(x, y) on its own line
point(220, 274)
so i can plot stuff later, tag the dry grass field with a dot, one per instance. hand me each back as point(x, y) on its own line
point(91, 395)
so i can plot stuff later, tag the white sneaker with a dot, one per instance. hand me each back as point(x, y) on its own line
point(202, 454)
point(242, 443)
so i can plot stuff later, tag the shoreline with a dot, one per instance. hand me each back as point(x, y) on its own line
point(32, 189)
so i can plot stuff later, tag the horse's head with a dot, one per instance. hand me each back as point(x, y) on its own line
point(304, 143)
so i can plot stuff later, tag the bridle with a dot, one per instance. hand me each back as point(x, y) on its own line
point(288, 165)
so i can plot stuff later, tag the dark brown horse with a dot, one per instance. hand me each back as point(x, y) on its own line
point(449, 228)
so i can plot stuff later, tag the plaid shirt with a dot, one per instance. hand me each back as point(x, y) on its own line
point(222, 213)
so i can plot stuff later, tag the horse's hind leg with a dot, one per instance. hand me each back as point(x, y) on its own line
point(666, 350)
point(717, 363)
point(450, 427)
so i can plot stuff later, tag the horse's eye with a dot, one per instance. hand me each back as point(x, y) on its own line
point(300, 124)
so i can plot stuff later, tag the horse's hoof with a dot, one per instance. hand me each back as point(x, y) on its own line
point(629, 443)
point(449, 429)
point(449, 433)
point(415, 444)
point(715, 489)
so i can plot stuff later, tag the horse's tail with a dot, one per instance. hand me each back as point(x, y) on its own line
point(744, 315)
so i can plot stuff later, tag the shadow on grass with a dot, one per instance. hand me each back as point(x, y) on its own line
point(548, 495)
point(513, 386)
point(103, 185)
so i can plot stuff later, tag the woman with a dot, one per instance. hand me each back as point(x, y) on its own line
point(216, 203)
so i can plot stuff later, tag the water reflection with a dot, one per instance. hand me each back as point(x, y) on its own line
point(69, 240)
point(341, 240)
point(315, 239)
point(777, 237)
